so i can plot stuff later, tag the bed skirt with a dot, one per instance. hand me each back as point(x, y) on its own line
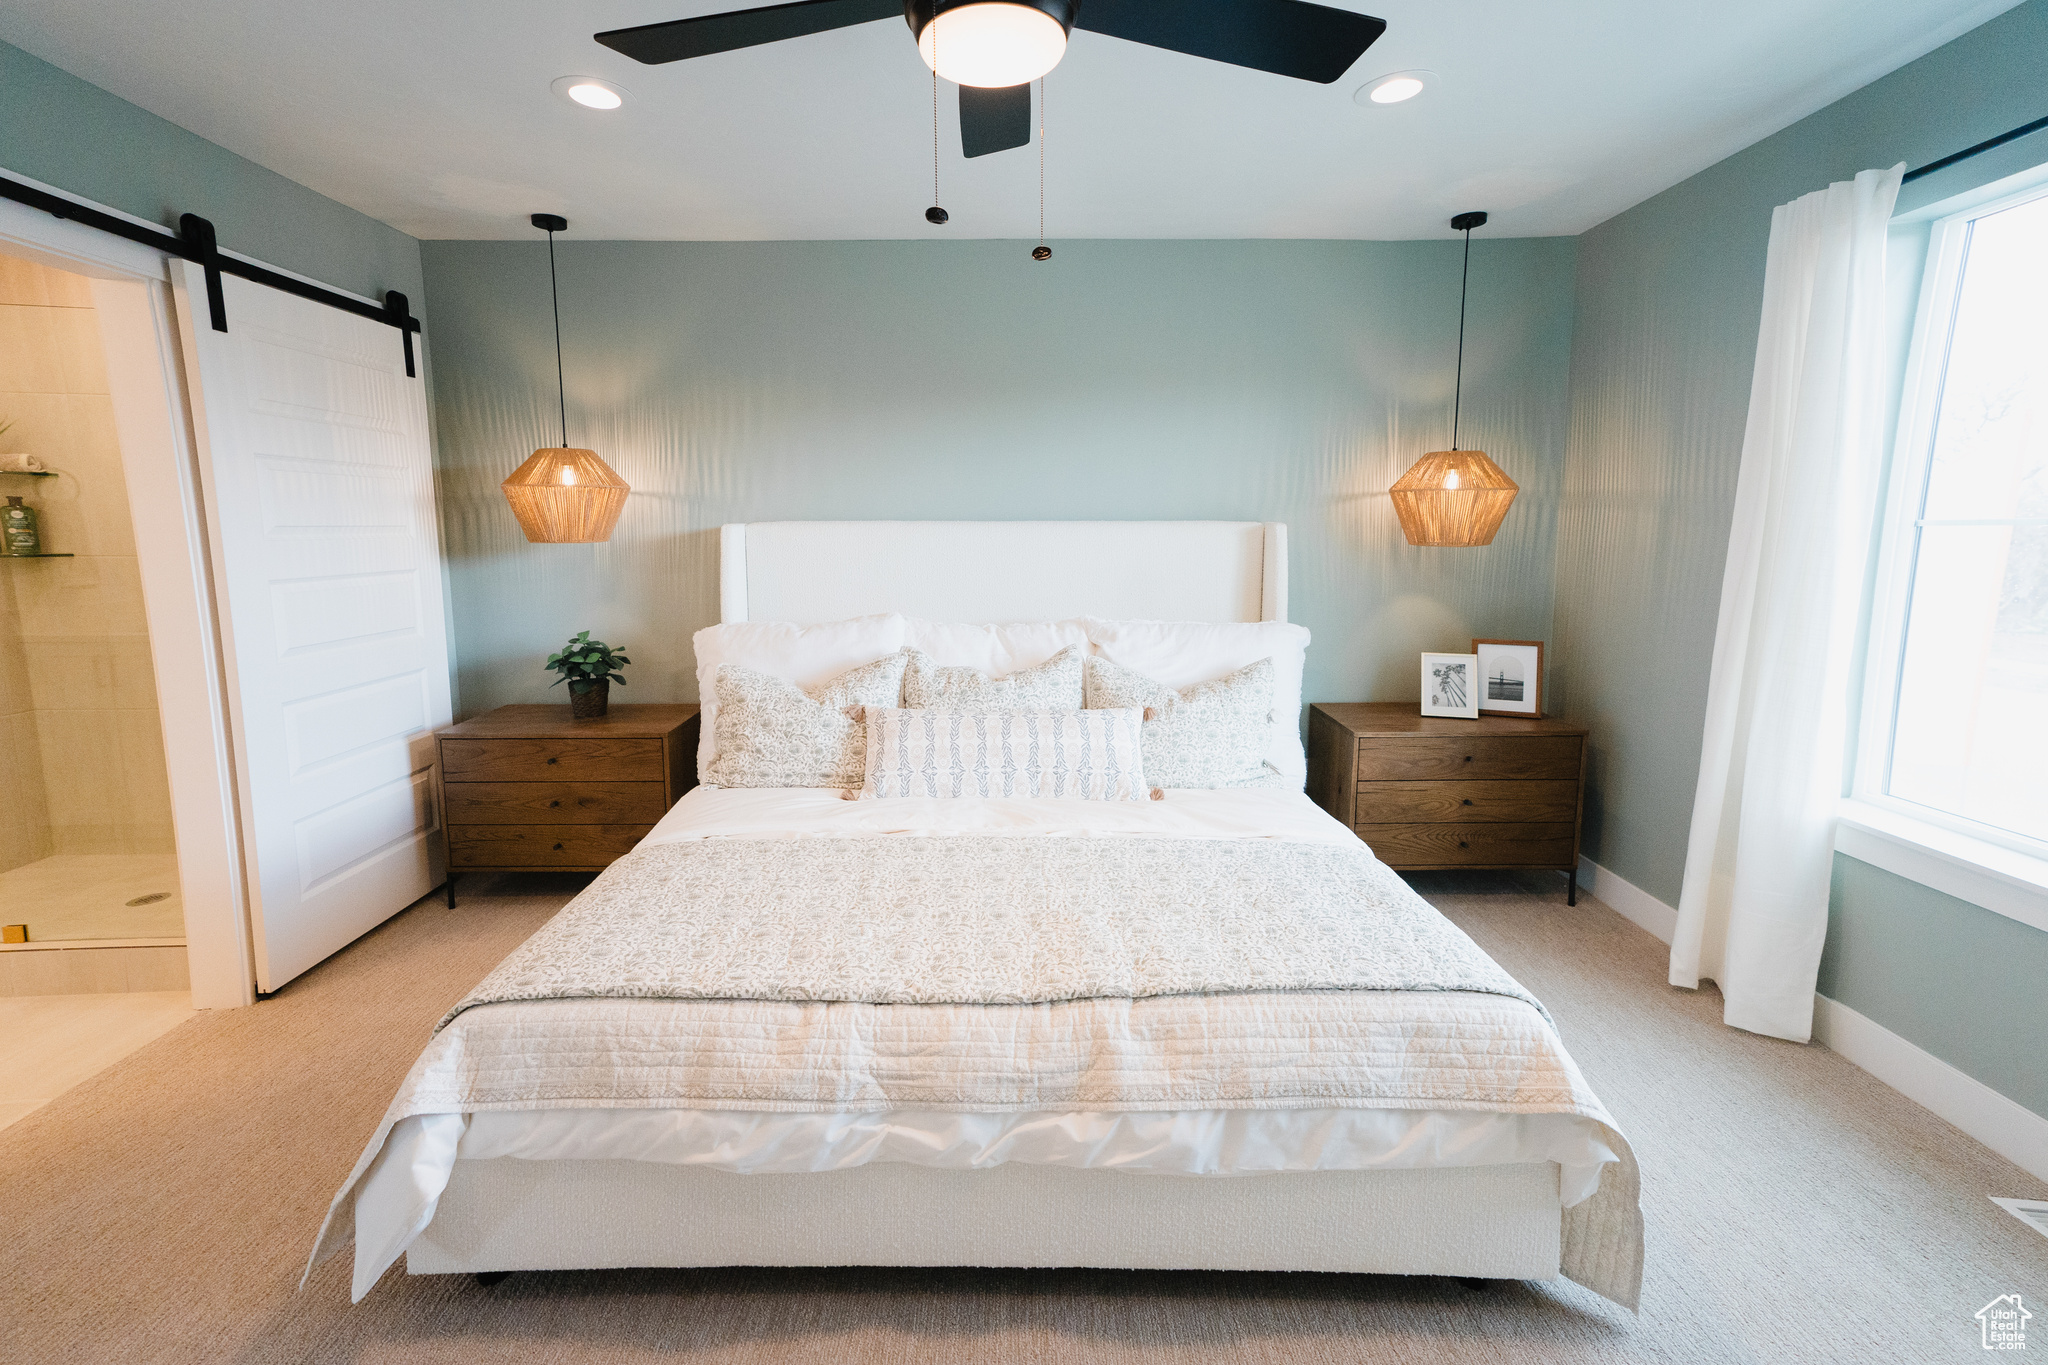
point(1494, 1222)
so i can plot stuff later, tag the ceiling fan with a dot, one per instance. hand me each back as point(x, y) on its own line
point(994, 49)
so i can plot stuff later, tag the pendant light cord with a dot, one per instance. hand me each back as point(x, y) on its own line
point(935, 104)
point(1458, 391)
point(1041, 161)
point(561, 387)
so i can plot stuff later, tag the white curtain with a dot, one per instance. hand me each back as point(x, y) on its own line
point(1754, 908)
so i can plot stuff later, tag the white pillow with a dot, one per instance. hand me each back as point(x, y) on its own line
point(1182, 653)
point(1069, 755)
point(1055, 685)
point(995, 650)
point(804, 655)
point(1214, 734)
point(1175, 653)
point(772, 733)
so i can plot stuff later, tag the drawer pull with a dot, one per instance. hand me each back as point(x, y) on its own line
point(553, 760)
point(558, 847)
point(1468, 758)
point(1466, 802)
point(1461, 844)
point(553, 804)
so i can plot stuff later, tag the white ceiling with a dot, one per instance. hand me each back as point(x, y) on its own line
point(436, 115)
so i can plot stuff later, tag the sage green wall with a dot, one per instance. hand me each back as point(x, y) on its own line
point(1284, 381)
point(66, 132)
point(1977, 1001)
point(1668, 300)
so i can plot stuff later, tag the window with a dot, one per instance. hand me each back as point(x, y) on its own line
point(1955, 730)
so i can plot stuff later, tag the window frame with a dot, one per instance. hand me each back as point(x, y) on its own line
point(1870, 808)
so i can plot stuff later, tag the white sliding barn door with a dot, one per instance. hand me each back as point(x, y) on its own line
point(319, 490)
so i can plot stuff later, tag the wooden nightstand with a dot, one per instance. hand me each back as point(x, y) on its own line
point(527, 789)
point(1426, 792)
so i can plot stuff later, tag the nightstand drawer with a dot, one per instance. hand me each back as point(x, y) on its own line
point(560, 803)
point(1416, 845)
point(515, 846)
point(1424, 758)
point(551, 760)
point(1531, 802)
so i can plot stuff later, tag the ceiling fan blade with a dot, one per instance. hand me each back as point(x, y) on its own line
point(1285, 37)
point(680, 38)
point(994, 120)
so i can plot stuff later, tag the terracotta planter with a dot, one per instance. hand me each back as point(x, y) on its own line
point(592, 704)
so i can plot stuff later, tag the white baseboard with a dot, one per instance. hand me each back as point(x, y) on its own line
point(1634, 904)
point(2012, 1130)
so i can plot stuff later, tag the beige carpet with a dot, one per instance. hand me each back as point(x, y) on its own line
point(1798, 1210)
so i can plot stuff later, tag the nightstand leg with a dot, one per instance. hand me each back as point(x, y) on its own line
point(1571, 895)
point(451, 890)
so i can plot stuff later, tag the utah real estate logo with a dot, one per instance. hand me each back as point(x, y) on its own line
point(2004, 1321)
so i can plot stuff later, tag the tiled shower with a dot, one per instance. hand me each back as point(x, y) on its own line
point(86, 849)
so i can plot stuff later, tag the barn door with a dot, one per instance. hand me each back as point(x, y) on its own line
point(315, 463)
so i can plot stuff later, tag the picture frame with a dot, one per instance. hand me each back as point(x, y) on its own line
point(1450, 685)
point(1510, 677)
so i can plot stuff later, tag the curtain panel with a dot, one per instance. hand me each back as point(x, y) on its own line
point(1753, 911)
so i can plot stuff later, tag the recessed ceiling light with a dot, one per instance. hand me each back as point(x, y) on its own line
point(1394, 87)
point(590, 92)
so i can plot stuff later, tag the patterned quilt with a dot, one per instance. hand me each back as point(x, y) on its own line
point(990, 921)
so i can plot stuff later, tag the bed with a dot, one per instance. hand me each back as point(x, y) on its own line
point(1205, 1031)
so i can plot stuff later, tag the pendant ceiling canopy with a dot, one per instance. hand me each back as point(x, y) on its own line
point(563, 494)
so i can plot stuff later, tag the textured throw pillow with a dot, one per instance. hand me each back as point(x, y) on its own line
point(1183, 653)
point(1074, 755)
point(772, 733)
point(1214, 734)
point(1054, 685)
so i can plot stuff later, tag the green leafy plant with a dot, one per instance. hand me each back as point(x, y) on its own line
point(584, 663)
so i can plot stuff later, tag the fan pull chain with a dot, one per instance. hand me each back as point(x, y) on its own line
point(935, 215)
point(1041, 252)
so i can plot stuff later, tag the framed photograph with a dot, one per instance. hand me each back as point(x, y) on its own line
point(1510, 677)
point(1450, 685)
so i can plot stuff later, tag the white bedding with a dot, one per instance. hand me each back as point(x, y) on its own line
point(786, 813)
point(1358, 1079)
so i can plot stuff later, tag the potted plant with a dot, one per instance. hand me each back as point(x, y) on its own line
point(590, 667)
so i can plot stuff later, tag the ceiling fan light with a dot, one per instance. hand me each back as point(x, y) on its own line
point(993, 44)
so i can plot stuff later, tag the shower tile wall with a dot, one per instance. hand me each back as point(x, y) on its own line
point(84, 750)
point(25, 829)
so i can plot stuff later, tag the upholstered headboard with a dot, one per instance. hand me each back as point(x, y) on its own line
point(1004, 571)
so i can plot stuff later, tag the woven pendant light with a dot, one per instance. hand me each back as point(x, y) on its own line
point(1454, 497)
point(564, 495)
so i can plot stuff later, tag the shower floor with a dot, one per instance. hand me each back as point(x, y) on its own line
point(85, 896)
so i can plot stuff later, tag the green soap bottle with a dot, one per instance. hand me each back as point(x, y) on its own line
point(18, 529)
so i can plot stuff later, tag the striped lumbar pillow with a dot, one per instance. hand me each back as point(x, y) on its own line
point(1075, 755)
